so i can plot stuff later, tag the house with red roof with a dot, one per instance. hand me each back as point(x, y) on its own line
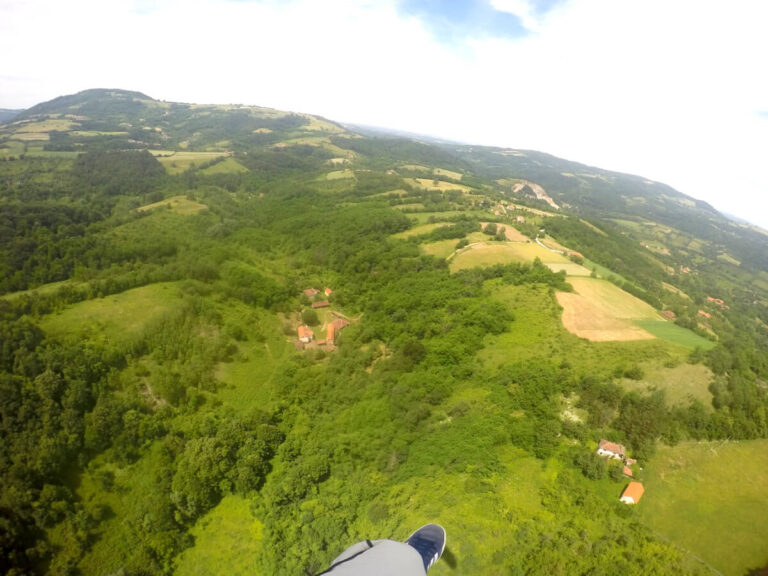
point(611, 449)
point(632, 493)
point(321, 304)
point(305, 334)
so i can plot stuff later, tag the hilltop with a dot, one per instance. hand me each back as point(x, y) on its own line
point(240, 339)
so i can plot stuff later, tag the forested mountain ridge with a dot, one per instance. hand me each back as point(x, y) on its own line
point(467, 345)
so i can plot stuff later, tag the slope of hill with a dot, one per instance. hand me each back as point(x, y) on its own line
point(231, 328)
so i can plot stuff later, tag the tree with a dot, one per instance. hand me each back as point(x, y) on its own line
point(309, 317)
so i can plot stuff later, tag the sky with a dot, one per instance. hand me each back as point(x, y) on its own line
point(672, 90)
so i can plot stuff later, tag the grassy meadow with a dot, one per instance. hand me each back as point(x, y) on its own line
point(117, 316)
point(489, 254)
point(710, 499)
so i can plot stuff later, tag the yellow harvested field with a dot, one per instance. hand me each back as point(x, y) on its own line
point(600, 311)
point(178, 162)
point(441, 248)
point(178, 204)
point(675, 290)
point(512, 234)
point(482, 254)
point(46, 126)
point(447, 173)
point(570, 268)
point(262, 131)
point(439, 185)
point(27, 136)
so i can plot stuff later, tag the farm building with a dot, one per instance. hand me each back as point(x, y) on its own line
point(668, 314)
point(628, 471)
point(311, 292)
point(632, 493)
point(611, 449)
point(334, 328)
point(328, 292)
point(305, 334)
point(321, 304)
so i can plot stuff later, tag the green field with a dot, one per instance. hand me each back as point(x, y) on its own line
point(490, 254)
point(178, 204)
point(246, 381)
point(227, 541)
point(116, 316)
point(675, 334)
point(681, 384)
point(176, 162)
point(421, 229)
point(226, 166)
point(710, 498)
point(441, 248)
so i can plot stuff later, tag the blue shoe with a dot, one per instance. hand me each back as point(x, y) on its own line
point(429, 541)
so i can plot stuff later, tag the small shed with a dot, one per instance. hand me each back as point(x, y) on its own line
point(632, 493)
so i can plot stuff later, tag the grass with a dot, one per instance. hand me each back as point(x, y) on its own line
point(710, 499)
point(681, 383)
point(570, 268)
point(340, 174)
point(117, 316)
point(439, 185)
point(177, 162)
point(178, 204)
point(227, 541)
point(490, 254)
point(421, 229)
point(226, 166)
point(675, 334)
point(441, 248)
point(246, 381)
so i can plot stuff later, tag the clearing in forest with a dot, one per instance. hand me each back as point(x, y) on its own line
point(512, 234)
point(600, 311)
point(226, 166)
point(570, 268)
point(178, 204)
point(421, 229)
point(482, 254)
point(227, 541)
point(116, 316)
point(709, 499)
point(176, 162)
point(681, 384)
point(439, 185)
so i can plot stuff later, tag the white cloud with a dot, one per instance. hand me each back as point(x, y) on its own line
point(523, 9)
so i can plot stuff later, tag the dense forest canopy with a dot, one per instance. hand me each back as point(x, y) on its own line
point(157, 405)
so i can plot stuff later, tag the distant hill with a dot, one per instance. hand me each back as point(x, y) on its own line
point(6, 114)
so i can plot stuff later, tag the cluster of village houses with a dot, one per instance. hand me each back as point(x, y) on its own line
point(634, 490)
point(306, 337)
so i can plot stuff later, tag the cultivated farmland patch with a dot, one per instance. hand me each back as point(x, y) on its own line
point(600, 311)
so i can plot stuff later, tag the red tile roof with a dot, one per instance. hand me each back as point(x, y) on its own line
point(321, 304)
point(634, 490)
point(628, 471)
point(305, 332)
point(611, 447)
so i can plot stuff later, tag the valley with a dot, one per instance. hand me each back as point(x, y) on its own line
point(508, 310)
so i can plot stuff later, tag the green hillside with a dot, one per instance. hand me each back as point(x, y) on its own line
point(480, 320)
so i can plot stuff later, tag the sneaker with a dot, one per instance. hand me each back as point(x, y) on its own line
point(429, 541)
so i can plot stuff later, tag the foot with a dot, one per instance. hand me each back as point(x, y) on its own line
point(429, 541)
